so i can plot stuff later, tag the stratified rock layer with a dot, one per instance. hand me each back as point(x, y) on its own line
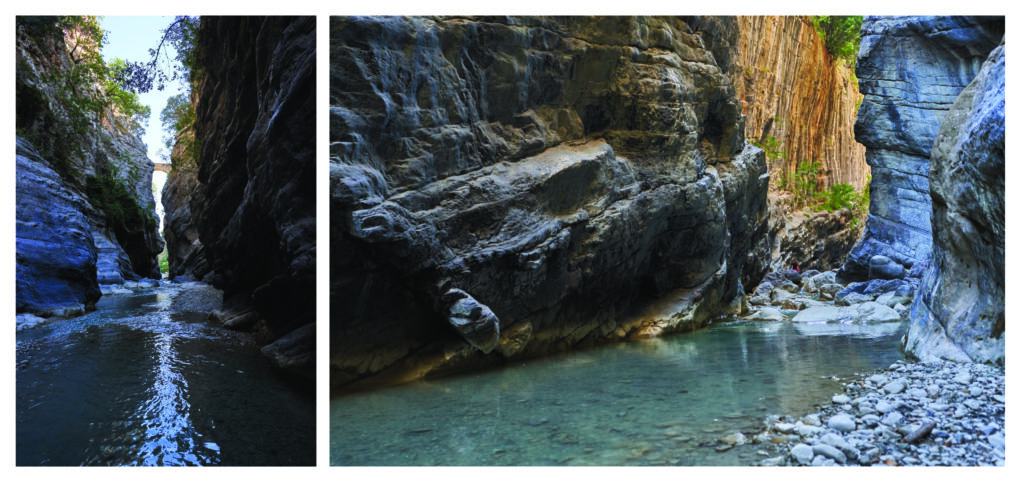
point(911, 69)
point(960, 311)
point(553, 183)
point(252, 202)
point(56, 256)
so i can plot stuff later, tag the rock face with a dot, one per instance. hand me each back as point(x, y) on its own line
point(252, 200)
point(507, 187)
point(55, 250)
point(959, 313)
point(791, 89)
point(186, 255)
point(98, 160)
point(911, 69)
point(809, 240)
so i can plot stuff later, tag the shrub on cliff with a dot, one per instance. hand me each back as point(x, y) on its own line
point(841, 35)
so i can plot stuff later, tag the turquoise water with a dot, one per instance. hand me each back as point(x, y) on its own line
point(147, 380)
point(663, 401)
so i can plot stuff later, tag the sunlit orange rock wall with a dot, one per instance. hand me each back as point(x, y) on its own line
point(788, 83)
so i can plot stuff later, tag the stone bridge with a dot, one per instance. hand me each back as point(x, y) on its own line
point(162, 167)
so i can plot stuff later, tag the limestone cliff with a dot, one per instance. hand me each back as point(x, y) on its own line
point(56, 255)
point(250, 203)
point(507, 187)
point(801, 103)
point(911, 69)
point(95, 154)
point(792, 89)
point(960, 310)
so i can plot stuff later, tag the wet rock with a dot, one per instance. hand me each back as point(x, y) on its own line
point(869, 312)
point(830, 452)
point(815, 283)
point(895, 386)
point(473, 320)
point(251, 204)
point(767, 314)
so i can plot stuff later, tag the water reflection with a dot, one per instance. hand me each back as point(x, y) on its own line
point(663, 401)
point(142, 381)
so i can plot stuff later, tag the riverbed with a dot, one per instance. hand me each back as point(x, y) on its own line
point(146, 379)
point(663, 401)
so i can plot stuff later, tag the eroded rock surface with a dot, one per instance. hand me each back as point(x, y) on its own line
point(911, 69)
point(959, 313)
point(56, 256)
point(584, 179)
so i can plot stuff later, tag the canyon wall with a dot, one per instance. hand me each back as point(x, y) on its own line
point(56, 255)
point(508, 187)
point(100, 164)
point(244, 217)
point(911, 69)
point(790, 88)
point(960, 309)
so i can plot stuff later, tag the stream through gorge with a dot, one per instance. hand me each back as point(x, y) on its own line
point(663, 401)
point(146, 379)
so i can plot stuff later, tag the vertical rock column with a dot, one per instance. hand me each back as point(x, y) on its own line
point(959, 313)
point(911, 69)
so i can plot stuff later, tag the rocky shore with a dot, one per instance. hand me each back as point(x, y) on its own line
point(911, 414)
point(934, 413)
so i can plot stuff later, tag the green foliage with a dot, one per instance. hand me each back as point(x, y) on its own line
point(126, 102)
point(840, 196)
point(112, 196)
point(179, 122)
point(181, 34)
point(164, 268)
point(82, 90)
point(841, 35)
point(772, 148)
point(803, 183)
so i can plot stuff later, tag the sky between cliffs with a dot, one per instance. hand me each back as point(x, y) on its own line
point(130, 38)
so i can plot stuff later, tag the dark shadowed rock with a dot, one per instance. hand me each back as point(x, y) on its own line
point(585, 179)
point(251, 204)
point(911, 69)
point(959, 312)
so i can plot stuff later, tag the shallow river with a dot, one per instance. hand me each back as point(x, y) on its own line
point(663, 401)
point(147, 380)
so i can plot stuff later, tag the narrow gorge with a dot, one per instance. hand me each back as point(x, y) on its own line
point(513, 197)
point(210, 360)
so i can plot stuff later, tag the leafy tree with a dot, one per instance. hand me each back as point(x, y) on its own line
point(161, 68)
point(841, 35)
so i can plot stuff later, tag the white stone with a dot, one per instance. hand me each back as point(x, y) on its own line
point(842, 422)
point(802, 453)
